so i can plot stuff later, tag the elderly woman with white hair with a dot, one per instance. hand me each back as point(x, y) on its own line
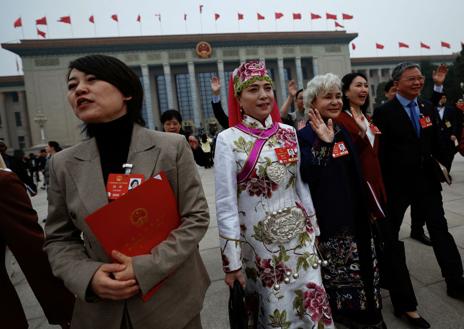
point(330, 165)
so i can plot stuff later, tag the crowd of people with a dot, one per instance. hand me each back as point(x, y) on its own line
point(309, 203)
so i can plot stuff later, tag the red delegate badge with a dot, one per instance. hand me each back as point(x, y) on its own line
point(120, 184)
point(339, 150)
point(425, 122)
point(374, 129)
point(286, 155)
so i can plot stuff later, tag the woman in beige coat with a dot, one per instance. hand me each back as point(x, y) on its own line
point(107, 96)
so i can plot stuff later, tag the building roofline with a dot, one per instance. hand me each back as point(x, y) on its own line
point(12, 81)
point(33, 47)
point(359, 61)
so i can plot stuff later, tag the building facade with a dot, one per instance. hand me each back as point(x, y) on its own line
point(175, 71)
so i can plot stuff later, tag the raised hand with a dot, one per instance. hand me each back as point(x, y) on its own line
point(216, 86)
point(439, 75)
point(324, 131)
point(292, 89)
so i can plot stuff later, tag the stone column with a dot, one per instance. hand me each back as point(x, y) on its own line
point(299, 72)
point(147, 96)
point(195, 100)
point(280, 68)
point(168, 81)
point(223, 78)
point(315, 66)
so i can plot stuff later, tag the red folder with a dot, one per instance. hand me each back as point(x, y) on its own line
point(138, 221)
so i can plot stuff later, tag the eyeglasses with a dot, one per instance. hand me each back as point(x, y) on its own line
point(419, 78)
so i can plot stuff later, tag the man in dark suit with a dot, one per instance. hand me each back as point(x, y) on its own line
point(20, 231)
point(408, 145)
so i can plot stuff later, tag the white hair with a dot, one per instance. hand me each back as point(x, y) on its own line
point(320, 85)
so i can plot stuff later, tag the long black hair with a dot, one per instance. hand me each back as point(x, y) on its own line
point(115, 72)
point(346, 83)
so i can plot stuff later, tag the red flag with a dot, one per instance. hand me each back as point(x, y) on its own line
point(41, 33)
point(139, 18)
point(277, 15)
point(65, 19)
point(92, 19)
point(114, 18)
point(18, 22)
point(296, 16)
point(423, 45)
point(445, 44)
point(41, 21)
point(159, 17)
point(185, 17)
point(337, 24)
point(259, 16)
point(403, 45)
point(346, 16)
point(330, 16)
point(315, 16)
point(379, 46)
point(216, 16)
point(353, 46)
point(201, 9)
point(240, 16)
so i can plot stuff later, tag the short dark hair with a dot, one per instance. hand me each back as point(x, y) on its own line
point(56, 146)
point(115, 72)
point(346, 83)
point(401, 67)
point(388, 86)
point(169, 115)
point(298, 92)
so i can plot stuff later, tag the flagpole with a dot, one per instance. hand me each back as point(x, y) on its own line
point(72, 30)
point(117, 24)
point(201, 21)
point(94, 28)
point(141, 32)
point(215, 26)
point(275, 24)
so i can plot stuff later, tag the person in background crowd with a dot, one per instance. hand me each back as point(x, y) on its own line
point(365, 136)
point(206, 146)
point(172, 123)
point(389, 90)
point(17, 165)
point(22, 234)
point(298, 118)
point(33, 167)
point(52, 148)
point(331, 167)
point(266, 221)
point(218, 111)
point(107, 96)
point(408, 145)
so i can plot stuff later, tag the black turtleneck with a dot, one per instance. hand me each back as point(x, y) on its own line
point(113, 140)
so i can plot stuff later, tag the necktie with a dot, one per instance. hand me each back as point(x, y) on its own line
point(414, 118)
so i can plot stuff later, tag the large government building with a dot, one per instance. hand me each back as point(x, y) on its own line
point(175, 72)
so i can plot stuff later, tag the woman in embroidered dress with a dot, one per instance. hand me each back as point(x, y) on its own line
point(330, 165)
point(266, 219)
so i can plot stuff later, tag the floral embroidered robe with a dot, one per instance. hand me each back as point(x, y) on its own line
point(278, 257)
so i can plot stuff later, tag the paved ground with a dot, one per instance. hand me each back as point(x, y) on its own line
point(441, 311)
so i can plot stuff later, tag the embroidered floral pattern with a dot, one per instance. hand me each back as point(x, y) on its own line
point(317, 304)
point(270, 274)
point(286, 137)
point(258, 185)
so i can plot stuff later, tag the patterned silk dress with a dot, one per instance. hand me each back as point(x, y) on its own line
point(267, 228)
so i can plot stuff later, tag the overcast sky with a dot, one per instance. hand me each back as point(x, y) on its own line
point(385, 21)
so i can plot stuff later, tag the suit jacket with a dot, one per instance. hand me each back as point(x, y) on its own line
point(368, 156)
point(219, 114)
point(405, 158)
point(77, 190)
point(451, 124)
point(20, 231)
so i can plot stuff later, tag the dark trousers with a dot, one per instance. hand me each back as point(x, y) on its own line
point(431, 203)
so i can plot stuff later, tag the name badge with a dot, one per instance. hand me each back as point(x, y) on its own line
point(374, 129)
point(120, 184)
point(339, 150)
point(425, 122)
point(286, 155)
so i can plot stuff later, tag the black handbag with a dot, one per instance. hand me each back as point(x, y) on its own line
point(238, 316)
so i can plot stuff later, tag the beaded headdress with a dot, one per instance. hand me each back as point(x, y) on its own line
point(247, 73)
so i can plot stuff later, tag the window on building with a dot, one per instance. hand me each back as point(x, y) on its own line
point(19, 121)
point(204, 80)
point(22, 142)
point(14, 96)
point(184, 96)
point(162, 92)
